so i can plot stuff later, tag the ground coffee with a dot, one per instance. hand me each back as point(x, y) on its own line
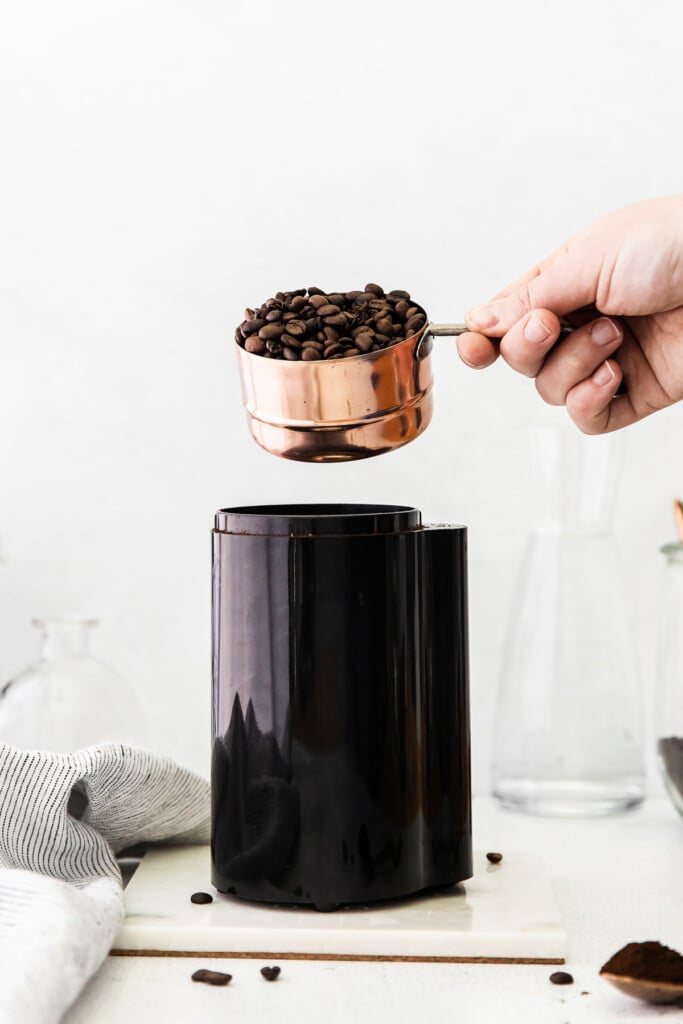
point(308, 323)
point(647, 961)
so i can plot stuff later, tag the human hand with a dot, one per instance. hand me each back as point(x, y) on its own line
point(627, 265)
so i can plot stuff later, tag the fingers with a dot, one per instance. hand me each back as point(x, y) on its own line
point(476, 351)
point(524, 347)
point(565, 281)
point(592, 405)
point(576, 358)
point(527, 343)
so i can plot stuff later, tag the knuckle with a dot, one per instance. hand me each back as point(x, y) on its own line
point(584, 414)
point(547, 392)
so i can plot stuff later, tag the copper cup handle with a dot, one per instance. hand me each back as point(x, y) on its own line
point(454, 330)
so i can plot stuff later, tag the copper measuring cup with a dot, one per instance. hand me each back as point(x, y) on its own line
point(335, 410)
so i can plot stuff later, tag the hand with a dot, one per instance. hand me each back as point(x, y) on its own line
point(628, 265)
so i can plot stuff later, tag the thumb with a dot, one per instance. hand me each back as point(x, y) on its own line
point(565, 281)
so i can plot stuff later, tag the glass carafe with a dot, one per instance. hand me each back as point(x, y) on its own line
point(568, 732)
point(69, 699)
point(670, 675)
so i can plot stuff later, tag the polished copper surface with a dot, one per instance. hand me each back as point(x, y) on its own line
point(333, 410)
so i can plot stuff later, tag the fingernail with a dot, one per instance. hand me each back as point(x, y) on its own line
point(535, 330)
point(481, 317)
point(604, 331)
point(604, 375)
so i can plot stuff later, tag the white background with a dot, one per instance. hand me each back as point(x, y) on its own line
point(162, 165)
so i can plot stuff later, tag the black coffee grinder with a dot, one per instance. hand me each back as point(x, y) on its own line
point(341, 759)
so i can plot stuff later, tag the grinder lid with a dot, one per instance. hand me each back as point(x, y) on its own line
point(317, 519)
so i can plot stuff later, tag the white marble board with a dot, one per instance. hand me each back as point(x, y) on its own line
point(506, 912)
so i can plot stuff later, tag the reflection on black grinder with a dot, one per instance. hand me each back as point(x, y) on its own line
point(340, 714)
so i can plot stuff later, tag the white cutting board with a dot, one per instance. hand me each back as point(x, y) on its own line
point(506, 912)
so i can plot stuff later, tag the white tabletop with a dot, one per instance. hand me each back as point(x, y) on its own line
point(617, 880)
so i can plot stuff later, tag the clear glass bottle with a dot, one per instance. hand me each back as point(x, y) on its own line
point(669, 720)
point(568, 731)
point(69, 699)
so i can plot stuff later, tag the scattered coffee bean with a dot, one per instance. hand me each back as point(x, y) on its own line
point(561, 978)
point(201, 897)
point(290, 324)
point(212, 977)
point(494, 858)
point(270, 973)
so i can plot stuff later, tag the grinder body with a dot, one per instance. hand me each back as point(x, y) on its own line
point(340, 763)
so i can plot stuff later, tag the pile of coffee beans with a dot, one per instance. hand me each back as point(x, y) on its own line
point(309, 324)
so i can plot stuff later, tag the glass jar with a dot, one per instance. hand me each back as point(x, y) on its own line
point(669, 720)
point(68, 699)
point(568, 737)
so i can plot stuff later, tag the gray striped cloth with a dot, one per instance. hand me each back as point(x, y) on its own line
point(63, 817)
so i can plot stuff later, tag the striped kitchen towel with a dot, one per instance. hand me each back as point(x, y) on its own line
point(63, 817)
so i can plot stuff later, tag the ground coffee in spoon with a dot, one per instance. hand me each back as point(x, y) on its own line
point(646, 961)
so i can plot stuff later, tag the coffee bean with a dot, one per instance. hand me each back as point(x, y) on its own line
point(416, 323)
point(333, 350)
point(309, 354)
point(274, 345)
point(363, 342)
point(297, 303)
point(289, 342)
point(329, 310)
point(330, 333)
point(402, 308)
point(201, 897)
point(296, 328)
point(318, 299)
point(212, 977)
point(411, 311)
point(352, 296)
point(494, 858)
point(561, 978)
point(396, 293)
point(255, 345)
point(290, 353)
point(252, 326)
point(271, 331)
point(249, 314)
point(375, 290)
point(363, 329)
point(384, 326)
point(271, 973)
point(382, 340)
point(338, 320)
point(336, 298)
point(350, 352)
point(316, 291)
point(273, 315)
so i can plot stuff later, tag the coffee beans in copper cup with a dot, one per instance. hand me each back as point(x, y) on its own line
point(309, 324)
point(329, 376)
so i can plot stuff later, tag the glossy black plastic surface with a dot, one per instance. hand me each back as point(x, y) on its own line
point(340, 766)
